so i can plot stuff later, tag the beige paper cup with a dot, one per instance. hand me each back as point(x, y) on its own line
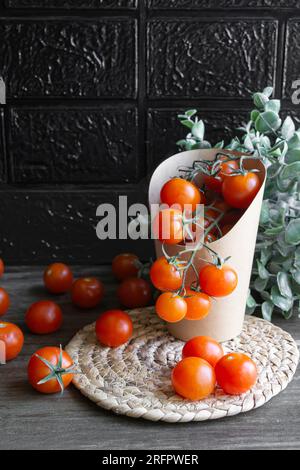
point(226, 318)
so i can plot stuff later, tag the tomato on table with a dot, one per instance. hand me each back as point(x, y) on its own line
point(168, 226)
point(236, 373)
point(87, 292)
point(114, 328)
point(165, 276)
point(218, 281)
point(194, 379)
point(13, 338)
point(125, 266)
point(58, 278)
point(198, 305)
point(50, 370)
point(4, 301)
point(134, 293)
point(1, 267)
point(204, 347)
point(240, 191)
point(181, 192)
point(44, 317)
point(171, 307)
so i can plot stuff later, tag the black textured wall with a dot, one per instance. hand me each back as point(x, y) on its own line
point(93, 90)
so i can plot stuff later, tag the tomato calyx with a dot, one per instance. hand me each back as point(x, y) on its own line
point(56, 371)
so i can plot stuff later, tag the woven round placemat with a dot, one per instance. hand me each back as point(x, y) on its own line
point(134, 380)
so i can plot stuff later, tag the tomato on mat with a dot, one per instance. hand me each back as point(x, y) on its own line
point(125, 266)
point(13, 338)
point(240, 191)
point(236, 373)
point(58, 278)
point(165, 276)
point(135, 293)
point(168, 226)
point(198, 305)
point(50, 370)
point(204, 347)
point(218, 281)
point(114, 328)
point(4, 301)
point(44, 317)
point(1, 267)
point(87, 292)
point(181, 192)
point(171, 307)
point(194, 379)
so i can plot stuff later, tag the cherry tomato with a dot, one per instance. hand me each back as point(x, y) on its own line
point(87, 292)
point(58, 278)
point(4, 301)
point(60, 374)
point(240, 191)
point(171, 308)
point(1, 267)
point(181, 192)
point(198, 305)
point(168, 226)
point(165, 276)
point(135, 293)
point(125, 265)
point(44, 317)
point(218, 282)
point(204, 347)
point(227, 168)
point(215, 183)
point(194, 379)
point(13, 338)
point(114, 328)
point(236, 373)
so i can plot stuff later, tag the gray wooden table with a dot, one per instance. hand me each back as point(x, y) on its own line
point(29, 420)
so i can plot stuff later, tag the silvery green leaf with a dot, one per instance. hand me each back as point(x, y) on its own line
point(260, 100)
point(260, 284)
point(270, 232)
point(265, 295)
point(254, 115)
point(219, 145)
point(198, 130)
point(296, 276)
point(284, 285)
point(268, 91)
point(191, 112)
point(281, 302)
point(248, 143)
point(181, 143)
point(204, 145)
point(293, 156)
point(288, 315)
point(265, 213)
point(288, 128)
point(273, 105)
point(262, 271)
point(267, 310)
point(188, 123)
point(251, 302)
point(265, 255)
point(294, 142)
point(292, 235)
point(267, 121)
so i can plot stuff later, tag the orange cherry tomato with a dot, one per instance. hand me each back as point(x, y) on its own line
point(134, 293)
point(125, 266)
point(114, 328)
point(87, 292)
point(218, 282)
point(194, 379)
point(240, 191)
point(181, 192)
point(171, 308)
point(236, 373)
point(61, 370)
point(204, 347)
point(198, 305)
point(168, 226)
point(13, 338)
point(4, 301)
point(165, 276)
point(44, 317)
point(227, 168)
point(1, 267)
point(215, 183)
point(58, 278)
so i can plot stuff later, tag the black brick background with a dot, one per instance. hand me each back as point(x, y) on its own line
point(93, 92)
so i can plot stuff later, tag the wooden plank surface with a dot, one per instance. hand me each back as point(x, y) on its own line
point(29, 420)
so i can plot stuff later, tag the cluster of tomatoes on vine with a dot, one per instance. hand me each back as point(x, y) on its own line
point(227, 190)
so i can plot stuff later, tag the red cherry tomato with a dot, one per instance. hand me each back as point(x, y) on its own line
point(204, 347)
point(114, 328)
point(165, 276)
point(215, 183)
point(236, 373)
point(171, 308)
point(61, 370)
point(218, 282)
point(87, 292)
point(1, 267)
point(198, 305)
point(181, 192)
point(168, 227)
point(240, 191)
point(125, 266)
point(135, 293)
point(44, 317)
point(4, 301)
point(194, 379)
point(58, 278)
point(13, 338)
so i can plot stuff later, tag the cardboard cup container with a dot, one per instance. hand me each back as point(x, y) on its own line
point(225, 321)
